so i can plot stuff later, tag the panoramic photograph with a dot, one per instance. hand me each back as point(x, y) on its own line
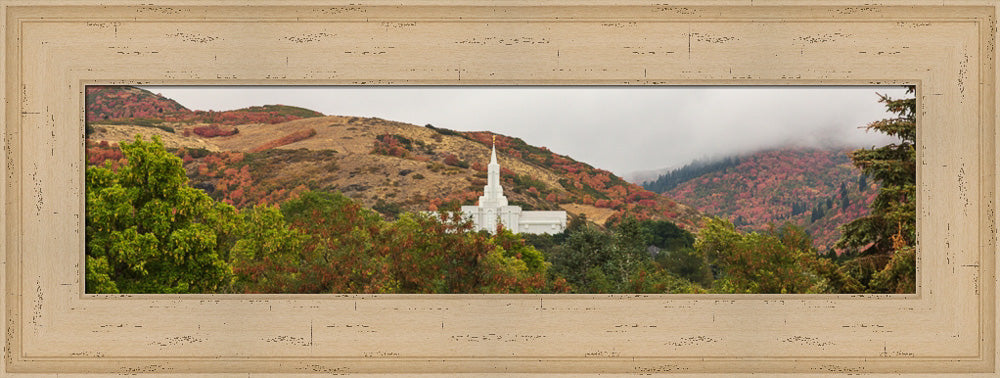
point(500, 189)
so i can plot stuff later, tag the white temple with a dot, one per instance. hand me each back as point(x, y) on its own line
point(493, 208)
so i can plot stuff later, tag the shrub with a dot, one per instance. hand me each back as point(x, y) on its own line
point(453, 160)
point(287, 139)
point(212, 131)
point(392, 145)
point(390, 209)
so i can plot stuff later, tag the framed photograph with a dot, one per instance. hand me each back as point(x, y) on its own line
point(58, 56)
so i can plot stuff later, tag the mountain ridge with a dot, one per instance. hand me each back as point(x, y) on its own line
point(817, 189)
point(387, 165)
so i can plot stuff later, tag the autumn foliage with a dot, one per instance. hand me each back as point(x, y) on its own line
point(287, 139)
point(391, 145)
point(816, 189)
point(98, 153)
point(211, 131)
point(349, 249)
point(111, 103)
point(116, 102)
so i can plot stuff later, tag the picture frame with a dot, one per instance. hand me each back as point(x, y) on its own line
point(53, 51)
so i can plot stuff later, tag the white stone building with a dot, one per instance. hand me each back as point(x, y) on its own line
point(493, 208)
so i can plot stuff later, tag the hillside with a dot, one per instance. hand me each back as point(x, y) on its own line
point(268, 154)
point(670, 179)
point(120, 105)
point(816, 189)
point(116, 102)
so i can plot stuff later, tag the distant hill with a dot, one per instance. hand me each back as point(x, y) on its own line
point(106, 103)
point(671, 179)
point(268, 154)
point(120, 105)
point(816, 189)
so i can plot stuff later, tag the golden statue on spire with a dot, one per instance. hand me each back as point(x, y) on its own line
point(494, 139)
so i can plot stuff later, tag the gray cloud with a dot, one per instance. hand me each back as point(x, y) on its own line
point(621, 129)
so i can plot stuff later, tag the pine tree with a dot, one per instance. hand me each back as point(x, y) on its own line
point(894, 167)
point(817, 212)
point(886, 238)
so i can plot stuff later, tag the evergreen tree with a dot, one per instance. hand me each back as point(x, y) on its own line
point(845, 201)
point(817, 212)
point(697, 168)
point(580, 259)
point(885, 239)
point(667, 235)
point(628, 252)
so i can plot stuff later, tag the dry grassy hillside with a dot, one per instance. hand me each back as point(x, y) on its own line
point(390, 166)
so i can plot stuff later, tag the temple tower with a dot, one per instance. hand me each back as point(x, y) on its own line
point(493, 192)
point(493, 208)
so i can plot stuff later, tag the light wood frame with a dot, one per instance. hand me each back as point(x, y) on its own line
point(53, 50)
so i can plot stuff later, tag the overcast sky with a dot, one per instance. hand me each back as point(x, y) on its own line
point(621, 129)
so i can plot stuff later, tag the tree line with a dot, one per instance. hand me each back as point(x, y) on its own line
point(697, 168)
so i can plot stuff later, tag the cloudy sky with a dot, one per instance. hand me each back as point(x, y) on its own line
point(621, 129)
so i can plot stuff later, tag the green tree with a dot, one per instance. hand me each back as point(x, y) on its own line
point(592, 260)
point(658, 281)
point(148, 232)
point(337, 255)
point(667, 235)
point(391, 210)
point(686, 263)
point(267, 246)
point(779, 261)
point(514, 245)
point(677, 255)
point(579, 259)
point(884, 240)
point(628, 253)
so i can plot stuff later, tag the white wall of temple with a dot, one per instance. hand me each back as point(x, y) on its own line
point(486, 218)
point(542, 222)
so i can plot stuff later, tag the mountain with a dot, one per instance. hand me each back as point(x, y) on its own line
point(120, 105)
point(671, 178)
point(813, 188)
point(268, 154)
point(116, 102)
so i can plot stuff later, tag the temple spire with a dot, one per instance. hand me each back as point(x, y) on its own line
point(493, 154)
point(493, 192)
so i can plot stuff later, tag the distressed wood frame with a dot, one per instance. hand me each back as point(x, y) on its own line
point(53, 51)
